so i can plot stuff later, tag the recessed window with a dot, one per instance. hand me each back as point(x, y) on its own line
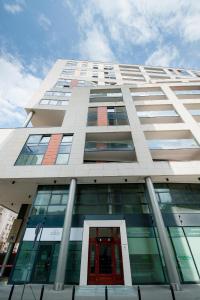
point(34, 150)
point(64, 150)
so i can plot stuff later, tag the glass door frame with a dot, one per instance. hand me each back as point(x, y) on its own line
point(124, 248)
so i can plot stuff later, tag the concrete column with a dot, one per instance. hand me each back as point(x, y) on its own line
point(6, 258)
point(28, 119)
point(62, 258)
point(163, 237)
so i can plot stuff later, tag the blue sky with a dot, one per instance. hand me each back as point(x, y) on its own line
point(34, 33)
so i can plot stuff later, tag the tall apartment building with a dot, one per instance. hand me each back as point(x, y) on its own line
point(6, 221)
point(109, 176)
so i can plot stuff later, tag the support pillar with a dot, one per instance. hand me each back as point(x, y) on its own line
point(28, 119)
point(163, 237)
point(63, 253)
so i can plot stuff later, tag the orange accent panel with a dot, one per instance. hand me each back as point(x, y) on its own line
point(52, 149)
point(102, 116)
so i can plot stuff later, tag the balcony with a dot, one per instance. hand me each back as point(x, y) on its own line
point(109, 147)
point(172, 145)
point(150, 93)
point(157, 114)
point(187, 92)
point(105, 95)
point(194, 110)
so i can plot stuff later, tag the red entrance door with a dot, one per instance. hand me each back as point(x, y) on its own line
point(105, 257)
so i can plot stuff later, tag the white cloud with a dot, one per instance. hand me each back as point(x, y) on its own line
point(13, 8)
point(16, 88)
point(191, 28)
point(164, 56)
point(44, 22)
point(95, 46)
point(129, 24)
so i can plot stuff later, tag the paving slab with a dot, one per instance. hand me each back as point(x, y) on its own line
point(5, 291)
point(27, 292)
point(51, 294)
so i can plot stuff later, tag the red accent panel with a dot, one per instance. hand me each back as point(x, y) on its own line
point(74, 83)
point(102, 116)
point(52, 149)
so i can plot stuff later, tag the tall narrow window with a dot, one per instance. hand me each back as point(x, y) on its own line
point(34, 150)
point(64, 150)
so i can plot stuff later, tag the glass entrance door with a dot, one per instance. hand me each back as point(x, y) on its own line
point(105, 257)
point(42, 266)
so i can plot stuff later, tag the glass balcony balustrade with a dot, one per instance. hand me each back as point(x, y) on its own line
point(172, 144)
point(99, 95)
point(147, 93)
point(153, 114)
point(187, 92)
point(108, 146)
point(195, 112)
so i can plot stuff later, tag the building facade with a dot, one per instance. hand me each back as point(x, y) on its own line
point(107, 179)
point(6, 221)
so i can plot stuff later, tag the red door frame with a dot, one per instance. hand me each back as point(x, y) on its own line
point(105, 279)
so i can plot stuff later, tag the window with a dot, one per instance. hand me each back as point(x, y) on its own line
point(106, 95)
point(68, 72)
point(117, 115)
point(54, 102)
point(185, 243)
point(145, 259)
point(50, 200)
point(178, 198)
point(34, 150)
point(58, 93)
point(71, 64)
point(92, 116)
point(108, 116)
point(110, 199)
point(64, 150)
point(63, 83)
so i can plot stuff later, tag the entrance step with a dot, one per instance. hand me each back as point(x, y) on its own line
point(51, 294)
point(122, 293)
point(161, 292)
point(4, 291)
point(91, 292)
point(189, 292)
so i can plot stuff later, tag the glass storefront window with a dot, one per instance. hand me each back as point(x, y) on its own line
point(111, 199)
point(50, 200)
point(193, 238)
point(183, 254)
point(145, 260)
point(178, 198)
point(24, 264)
